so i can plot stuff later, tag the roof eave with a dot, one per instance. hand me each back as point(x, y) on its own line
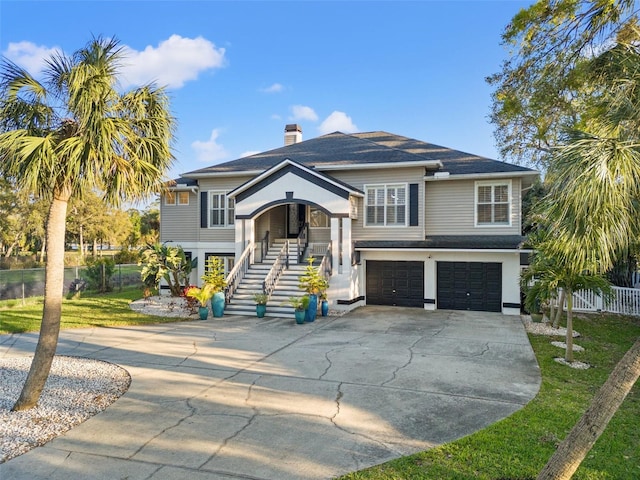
point(468, 176)
point(443, 249)
point(434, 164)
point(235, 173)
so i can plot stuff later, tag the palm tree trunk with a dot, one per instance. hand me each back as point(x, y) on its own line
point(52, 311)
point(556, 320)
point(568, 356)
point(570, 453)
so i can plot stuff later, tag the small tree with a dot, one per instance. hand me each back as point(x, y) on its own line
point(548, 273)
point(214, 274)
point(311, 281)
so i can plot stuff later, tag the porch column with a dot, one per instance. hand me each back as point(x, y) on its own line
point(250, 236)
point(335, 244)
point(239, 227)
point(346, 244)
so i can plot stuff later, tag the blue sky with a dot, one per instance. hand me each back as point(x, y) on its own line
point(238, 71)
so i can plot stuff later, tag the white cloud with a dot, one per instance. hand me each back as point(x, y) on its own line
point(211, 150)
point(173, 62)
point(337, 121)
point(275, 88)
point(302, 112)
point(29, 56)
point(275, 116)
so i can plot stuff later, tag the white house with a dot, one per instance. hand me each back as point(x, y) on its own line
point(401, 221)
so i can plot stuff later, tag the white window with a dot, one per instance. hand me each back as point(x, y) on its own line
point(493, 203)
point(176, 198)
point(318, 219)
point(221, 210)
point(386, 205)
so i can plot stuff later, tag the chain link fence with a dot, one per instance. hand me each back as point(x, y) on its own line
point(21, 284)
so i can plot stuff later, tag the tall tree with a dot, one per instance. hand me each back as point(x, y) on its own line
point(573, 86)
point(544, 86)
point(72, 133)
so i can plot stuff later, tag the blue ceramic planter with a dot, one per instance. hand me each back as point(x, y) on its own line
point(217, 304)
point(300, 316)
point(312, 311)
point(324, 308)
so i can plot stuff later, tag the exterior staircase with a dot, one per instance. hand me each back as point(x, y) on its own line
point(242, 302)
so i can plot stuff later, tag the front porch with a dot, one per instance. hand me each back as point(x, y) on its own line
point(311, 212)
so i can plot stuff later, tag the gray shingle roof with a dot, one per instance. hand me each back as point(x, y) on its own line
point(479, 242)
point(361, 149)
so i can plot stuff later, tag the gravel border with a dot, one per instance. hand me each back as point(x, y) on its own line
point(77, 388)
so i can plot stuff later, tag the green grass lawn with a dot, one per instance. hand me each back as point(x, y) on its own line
point(514, 448)
point(90, 310)
point(519, 446)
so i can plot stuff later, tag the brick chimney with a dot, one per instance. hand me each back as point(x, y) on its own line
point(292, 134)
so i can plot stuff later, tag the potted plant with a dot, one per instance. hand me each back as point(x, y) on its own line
point(261, 299)
point(324, 303)
point(214, 276)
point(312, 282)
point(300, 305)
point(202, 295)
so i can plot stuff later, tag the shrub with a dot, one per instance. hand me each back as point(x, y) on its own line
point(127, 257)
point(99, 272)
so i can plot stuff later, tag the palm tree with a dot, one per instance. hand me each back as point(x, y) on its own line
point(72, 133)
point(547, 274)
point(593, 208)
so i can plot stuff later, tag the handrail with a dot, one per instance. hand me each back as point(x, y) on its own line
point(264, 248)
point(303, 237)
point(237, 272)
point(276, 269)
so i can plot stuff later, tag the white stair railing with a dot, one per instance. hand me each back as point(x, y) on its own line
point(281, 262)
point(238, 271)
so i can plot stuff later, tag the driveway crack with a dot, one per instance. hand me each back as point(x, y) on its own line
point(195, 351)
point(250, 420)
point(406, 364)
point(333, 420)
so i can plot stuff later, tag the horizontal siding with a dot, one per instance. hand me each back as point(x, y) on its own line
point(382, 176)
point(225, 184)
point(179, 223)
point(450, 204)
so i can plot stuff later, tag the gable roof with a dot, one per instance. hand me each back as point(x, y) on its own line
point(288, 165)
point(375, 149)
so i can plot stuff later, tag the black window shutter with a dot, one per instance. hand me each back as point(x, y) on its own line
point(204, 210)
point(413, 204)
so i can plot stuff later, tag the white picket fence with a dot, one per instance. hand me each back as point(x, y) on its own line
point(623, 300)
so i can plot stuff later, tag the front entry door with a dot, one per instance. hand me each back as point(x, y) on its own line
point(295, 219)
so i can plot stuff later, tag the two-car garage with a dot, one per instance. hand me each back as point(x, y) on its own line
point(459, 285)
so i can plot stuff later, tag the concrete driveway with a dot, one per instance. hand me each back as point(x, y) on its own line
point(252, 398)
